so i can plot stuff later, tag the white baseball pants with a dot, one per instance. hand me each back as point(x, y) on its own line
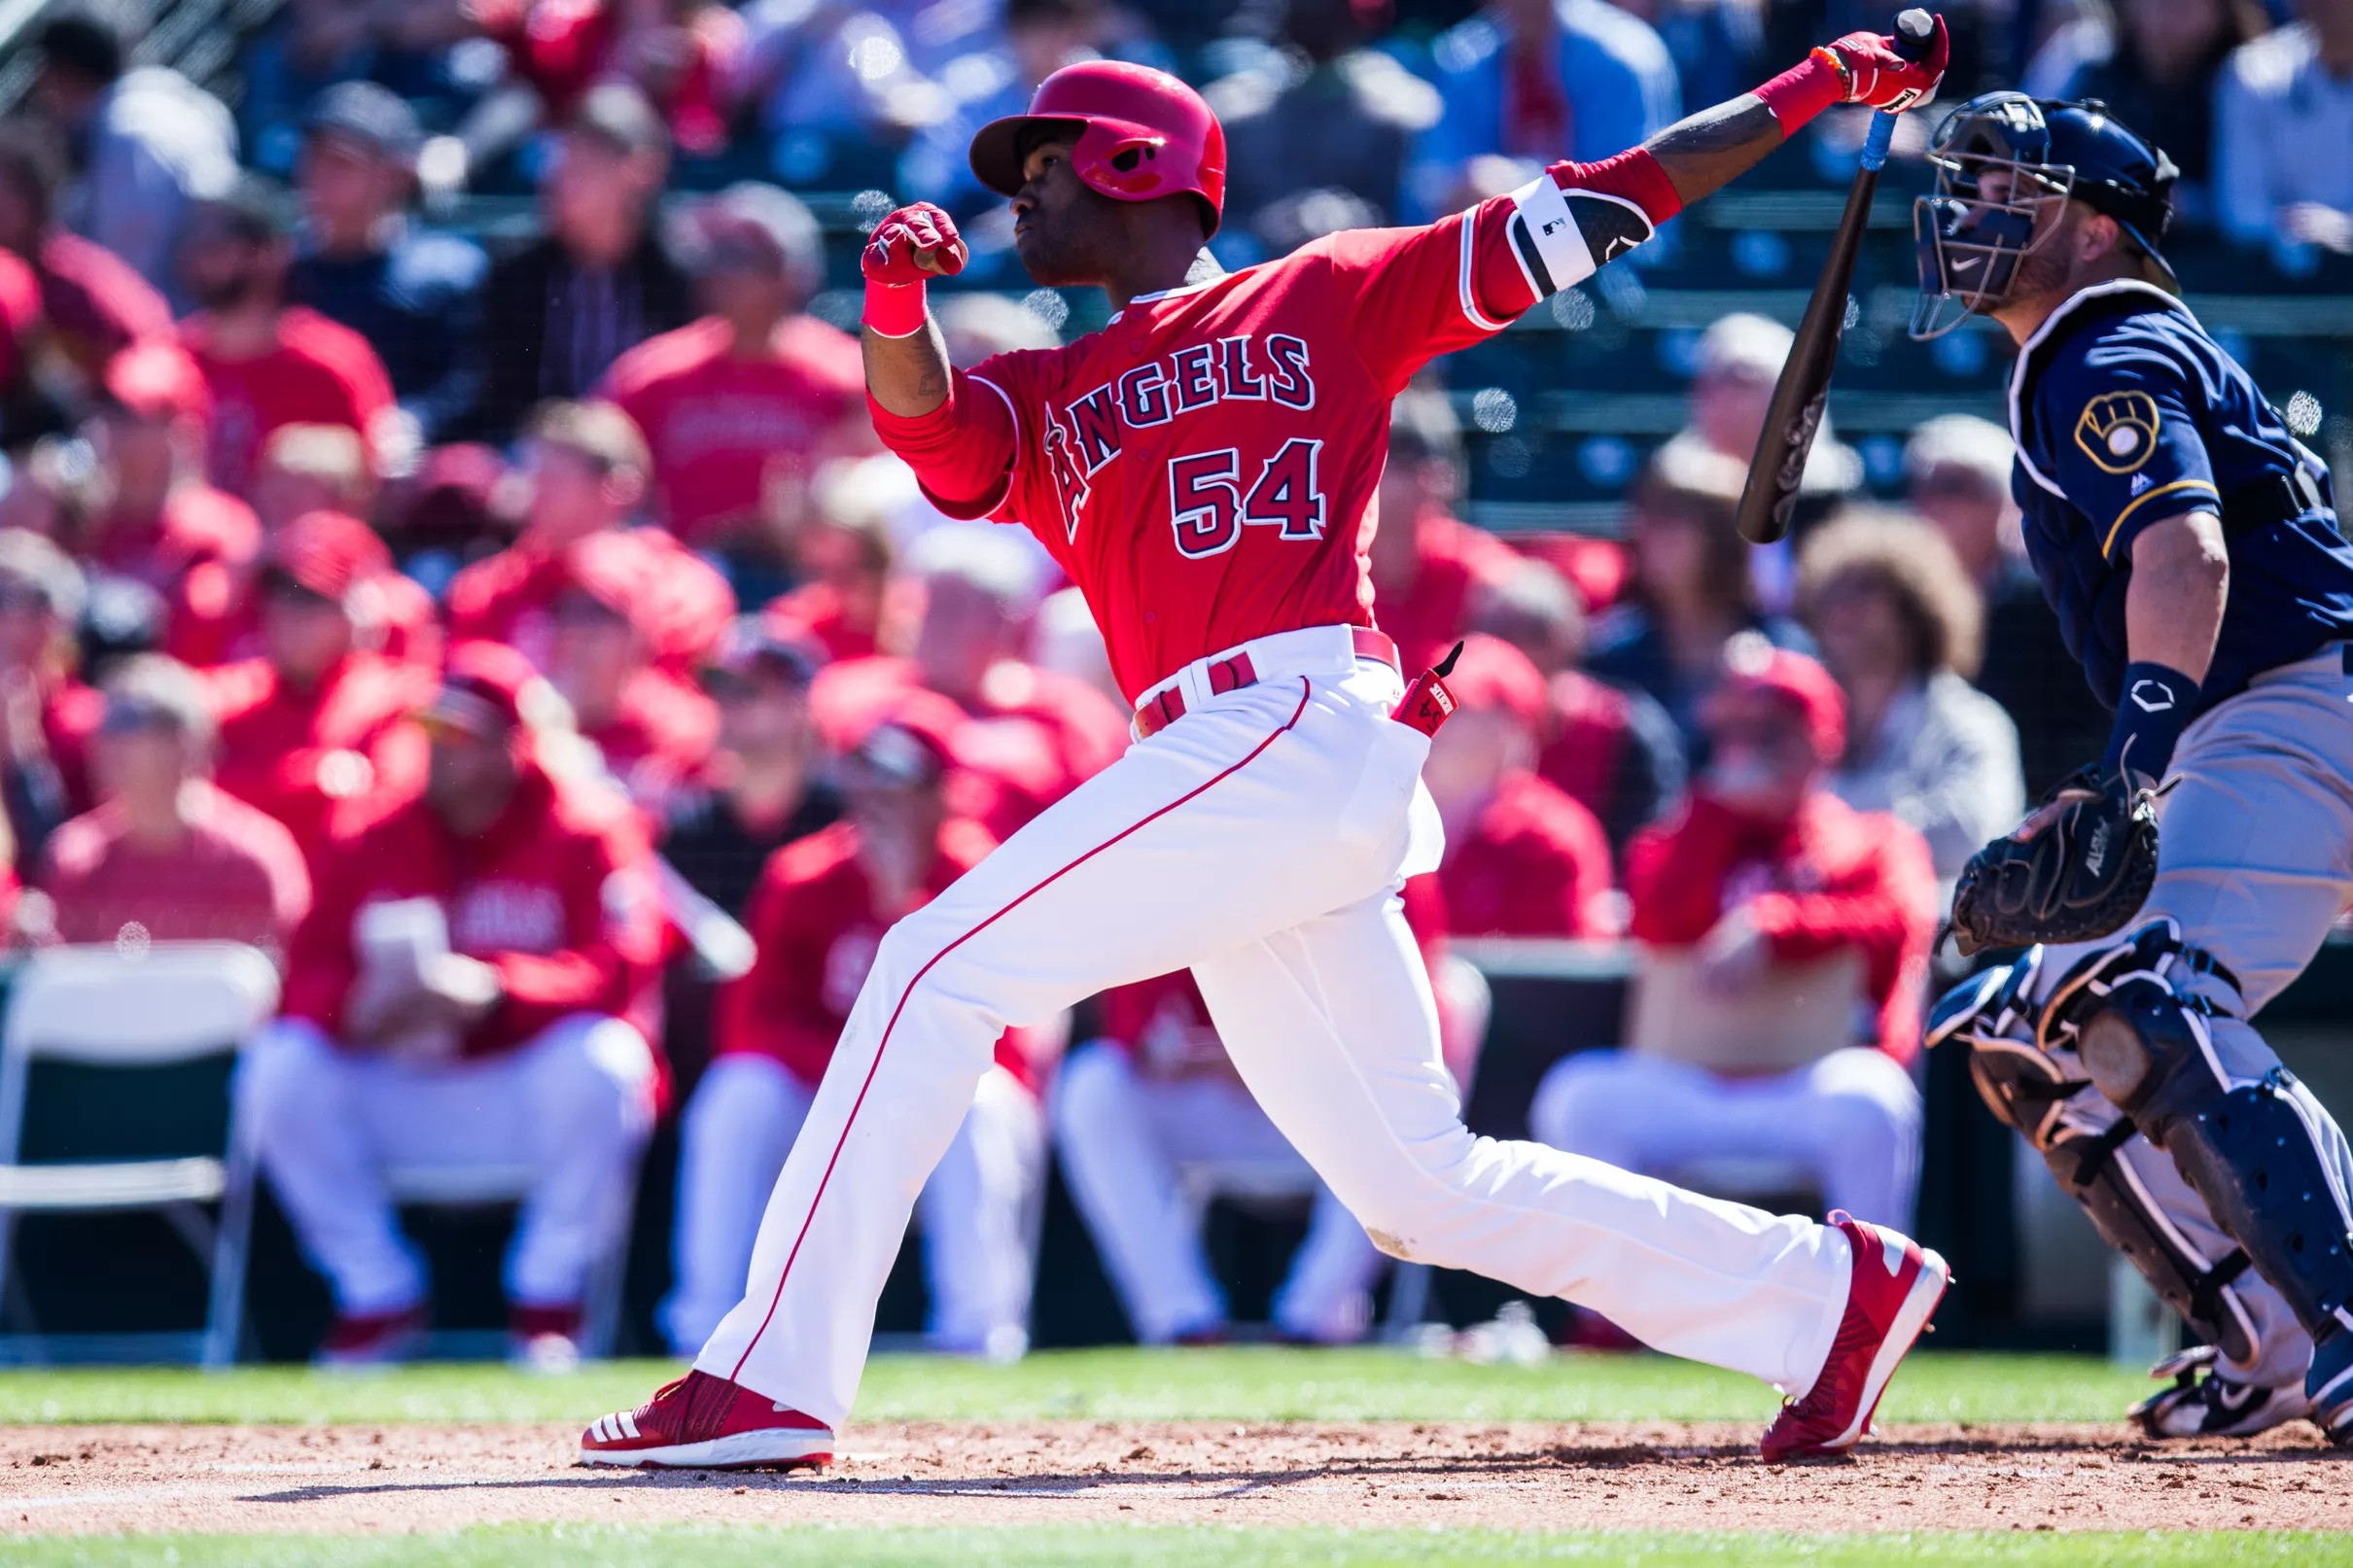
point(980, 1209)
point(1849, 1122)
point(1141, 1153)
point(1259, 841)
point(569, 1108)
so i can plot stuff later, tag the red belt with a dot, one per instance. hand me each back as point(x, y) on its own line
point(1236, 673)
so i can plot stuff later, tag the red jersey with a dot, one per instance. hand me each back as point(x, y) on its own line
point(216, 619)
point(814, 917)
point(309, 758)
point(1204, 467)
point(661, 737)
point(237, 877)
point(20, 318)
point(817, 613)
point(1035, 735)
point(508, 598)
point(1832, 878)
point(198, 525)
point(558, 896)
point(1532, 864)
point(1452, 561)
point(96, 302)
point(719, 428)
point(1592, 727)
point(319, 373)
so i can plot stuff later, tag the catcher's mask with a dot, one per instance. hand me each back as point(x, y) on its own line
point(2006, 168)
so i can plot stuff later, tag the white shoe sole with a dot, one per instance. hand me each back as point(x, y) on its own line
point(1920, 1302)
point(789, 1446)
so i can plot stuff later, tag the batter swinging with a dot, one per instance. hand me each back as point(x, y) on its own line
point(1204, 467)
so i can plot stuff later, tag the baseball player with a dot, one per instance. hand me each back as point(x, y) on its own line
point(1204, 469)
point(2190, 546)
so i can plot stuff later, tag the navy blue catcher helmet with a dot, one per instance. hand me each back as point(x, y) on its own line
point(2006, 164)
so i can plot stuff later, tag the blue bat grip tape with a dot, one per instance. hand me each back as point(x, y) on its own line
point(1874, 145)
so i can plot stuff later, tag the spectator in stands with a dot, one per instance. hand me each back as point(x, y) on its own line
point(269, 363)
point(1530, 82)
point(1762, 892)
point(587, 466)
point(150, 143)
point(842, 555)
point(1899, 624)
point(1154, 1096)
point(2283, 112)
point(156, 519)
point(46, 717)
point(1956, 471)
point(652, 732)
point(27, 407)
point(2155, 64)
point(1522, 858)
point(1733, 370)
point(755, 393)
point(1612, 750)
point(416, 296)
point(1690, 589)
point(682, 55)
point(763, 788)
point(301, 56)
point(1715, 44)
point(165, 856)
point(559, 311)
point(92, 303)
point(1039, 37)
point(1317, 135)
point(829, 82)
point(314, 729)
point(819, 916)
point(214, 617)
point(1428, 565)
point(1035, 736)
point(471, 989)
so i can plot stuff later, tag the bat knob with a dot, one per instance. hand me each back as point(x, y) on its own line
point(1914, 31)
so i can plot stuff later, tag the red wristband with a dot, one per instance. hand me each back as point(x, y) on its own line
point(895, 310)
point(1803, 90)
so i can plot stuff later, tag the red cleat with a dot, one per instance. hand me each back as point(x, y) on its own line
point(1896, 1286)
point(702, 1423)
point(361, 1340)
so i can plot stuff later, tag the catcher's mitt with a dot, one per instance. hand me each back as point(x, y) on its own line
point(2083, 877)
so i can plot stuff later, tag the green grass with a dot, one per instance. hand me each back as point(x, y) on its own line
point(1225, 1385)
point(1086, 1546)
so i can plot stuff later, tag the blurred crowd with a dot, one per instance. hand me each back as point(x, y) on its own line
point(520, 635)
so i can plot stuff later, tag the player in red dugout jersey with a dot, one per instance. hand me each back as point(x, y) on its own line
point(1204, 469)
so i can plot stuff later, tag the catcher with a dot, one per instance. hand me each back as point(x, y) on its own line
point(2190, 545)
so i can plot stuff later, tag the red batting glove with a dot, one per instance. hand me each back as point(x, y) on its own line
point(1860, 68)
point(1874, 74)
point(911, 245)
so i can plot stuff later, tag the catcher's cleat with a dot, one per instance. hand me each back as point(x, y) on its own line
point(2206, 1401)
point(702, 1423)
point(1893, 1291)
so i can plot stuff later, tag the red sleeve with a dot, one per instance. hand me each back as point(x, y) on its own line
point(1674, 873)
point(614, 928)
point(321, 966)
point(777, 1009)
point(1879, 904)
point(962, 451)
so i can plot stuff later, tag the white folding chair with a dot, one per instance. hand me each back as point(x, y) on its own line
point(171, 1003)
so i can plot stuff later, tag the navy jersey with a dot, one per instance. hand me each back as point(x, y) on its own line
point(2126, 413)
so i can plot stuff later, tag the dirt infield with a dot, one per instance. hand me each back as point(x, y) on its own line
point(1521, 1476)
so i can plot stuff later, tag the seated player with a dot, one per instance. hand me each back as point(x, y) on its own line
point(165, 856)
point(1761, 891)
point(587, 468)
point(472, 988)
point(1036, 734)
point(819, 917)
point(315, 726)
point(650, 732)
point(1521, 858)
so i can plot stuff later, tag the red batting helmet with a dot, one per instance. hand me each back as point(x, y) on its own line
point(1143, 134)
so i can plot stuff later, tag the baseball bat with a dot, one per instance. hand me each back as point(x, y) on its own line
point(1770, 496)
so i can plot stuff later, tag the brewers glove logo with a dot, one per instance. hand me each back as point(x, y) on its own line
point(2118, 430)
